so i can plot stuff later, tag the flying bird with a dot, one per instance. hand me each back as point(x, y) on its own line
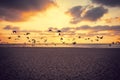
point(101, 37)
point(59, 34)
point(79, 36)
point(14, 31)
point(61, 38)
point(50, 30)
point(97, 39)
point(27, 37)
point(45, 40)
point(74, 43)
point(59, 31)
point(19, 36)
point(27, 33)
point(9, 37)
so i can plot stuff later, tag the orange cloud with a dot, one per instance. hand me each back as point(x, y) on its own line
point(112, 20)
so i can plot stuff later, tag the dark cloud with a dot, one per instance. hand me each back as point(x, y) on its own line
point(67, 29)
point(10, 15)
point(75, 13)
point(9, 27)
point(93, 28)
point(99, 28)
point(112, 3)
point(95, 13)
point(90, 13)
point(84, 27)
point(11, 10)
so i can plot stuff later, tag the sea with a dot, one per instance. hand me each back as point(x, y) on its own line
point(60, 45)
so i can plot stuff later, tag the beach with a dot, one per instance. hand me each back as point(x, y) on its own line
point(58, 63)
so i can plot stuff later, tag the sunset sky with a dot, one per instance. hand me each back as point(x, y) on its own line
point(75, 18)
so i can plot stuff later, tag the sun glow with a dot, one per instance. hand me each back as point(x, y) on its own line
point(53, 17)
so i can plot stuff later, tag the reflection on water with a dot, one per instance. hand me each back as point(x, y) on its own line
point(59, 45)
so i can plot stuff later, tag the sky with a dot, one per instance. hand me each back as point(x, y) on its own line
point(79, 21)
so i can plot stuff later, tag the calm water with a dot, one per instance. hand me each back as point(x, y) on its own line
point(77, 45)
point(59, 64)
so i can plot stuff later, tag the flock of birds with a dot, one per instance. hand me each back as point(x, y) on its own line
point(34, 41)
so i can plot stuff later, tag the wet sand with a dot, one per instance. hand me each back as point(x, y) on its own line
point(59, 64)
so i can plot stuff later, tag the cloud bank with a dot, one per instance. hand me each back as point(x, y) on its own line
point(14, 10)
point(80, 13)
point(112, 3)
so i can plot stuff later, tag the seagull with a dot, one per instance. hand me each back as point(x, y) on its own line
point(34, 41)
point(79, 36)
point(113, 42)
point(59, 31)
point(18, 36)
point(91, 40)
point(14, 31)
point(101, 37)
point(9, 37)
point(27, 33)
point(97, 39)
point(27, 37)
point(45, 40)
point(59, 34)
point(50, 30)
point(74, 43)
point(97, 36)
point(29, 41)
point(61, 38)
point(63, 42)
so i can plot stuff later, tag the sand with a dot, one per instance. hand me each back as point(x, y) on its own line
point(59, 64)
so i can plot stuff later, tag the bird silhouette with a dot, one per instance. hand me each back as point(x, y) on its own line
point(113, 42)
point(9, 37)
point(19, 36)
point(74, 43)
point(59, 31)
point(91, 40)
point(45, 40)
point(61, 38)
point(101, 37)
point(97, 39)
point(14, 31)
point(27, 33)
point(59, 34)
point(79, 36)
point(50, 30)
point(27, 37)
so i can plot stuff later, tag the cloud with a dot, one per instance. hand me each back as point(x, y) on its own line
point(99, 28)
point(75, 13)
point(94, 30)
point(112, 3)
point(9, 27)
point(14, 10)
point(89, 13)
point(95, 13)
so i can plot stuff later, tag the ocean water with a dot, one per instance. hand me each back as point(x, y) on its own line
point(59, 63)
point(69, 45)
